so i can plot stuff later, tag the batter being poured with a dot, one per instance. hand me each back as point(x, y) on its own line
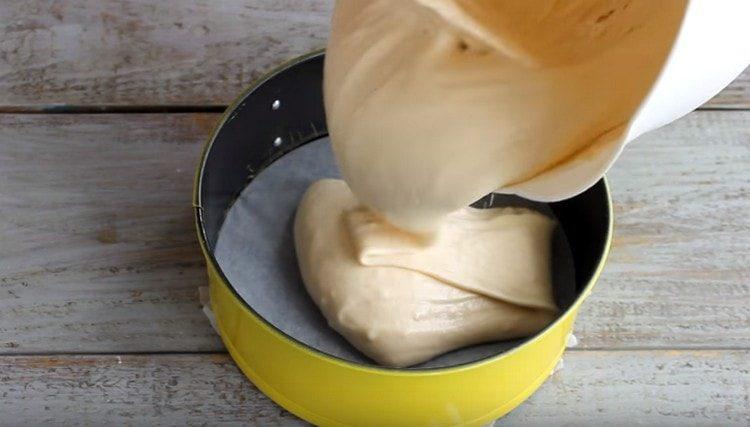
point(432, 104)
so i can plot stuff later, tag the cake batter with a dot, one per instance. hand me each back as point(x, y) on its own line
point(432, 104)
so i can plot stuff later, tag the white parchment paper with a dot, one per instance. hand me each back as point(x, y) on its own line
point(255, 250)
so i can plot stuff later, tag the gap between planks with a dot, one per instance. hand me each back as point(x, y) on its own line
point(177, 109)
point(213, 352)
point(112, 109)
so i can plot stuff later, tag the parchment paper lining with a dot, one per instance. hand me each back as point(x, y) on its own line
point(255, 250)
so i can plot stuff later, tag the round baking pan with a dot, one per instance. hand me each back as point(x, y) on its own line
point(281, 119)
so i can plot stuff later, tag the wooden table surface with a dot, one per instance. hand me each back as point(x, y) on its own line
point(104, 106)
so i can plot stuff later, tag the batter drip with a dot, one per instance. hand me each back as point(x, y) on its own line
point(432, 104)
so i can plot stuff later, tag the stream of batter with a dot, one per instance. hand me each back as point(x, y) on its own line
point(431, 105)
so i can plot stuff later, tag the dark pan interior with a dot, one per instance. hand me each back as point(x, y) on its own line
point(244, 145)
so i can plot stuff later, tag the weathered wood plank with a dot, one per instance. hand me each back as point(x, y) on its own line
point(658, 388)
point(680, 388)
point(98, 251)
point(131, 52)
point(132, 390)
point(678, 275)
point(170, 52)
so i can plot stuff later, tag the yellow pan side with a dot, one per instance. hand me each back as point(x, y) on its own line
point(330, 392)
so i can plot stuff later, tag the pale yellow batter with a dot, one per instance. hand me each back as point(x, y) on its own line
point(432, 104)
point(401, 316)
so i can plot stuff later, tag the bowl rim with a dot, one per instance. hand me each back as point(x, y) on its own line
point(213, 264)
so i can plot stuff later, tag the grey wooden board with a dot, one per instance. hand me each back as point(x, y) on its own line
point(677, 388)
point(130, 52)
point(679, 274)
point(98, 250)
point(651, 388)
point(169, 52)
